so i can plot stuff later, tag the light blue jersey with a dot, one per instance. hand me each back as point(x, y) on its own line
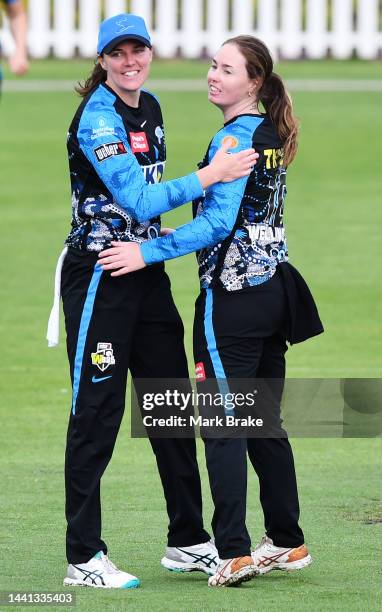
point(238, 228)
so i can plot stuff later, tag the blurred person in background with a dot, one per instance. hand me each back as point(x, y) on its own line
point(251, 302)
point(117, 153)
point(18, 61)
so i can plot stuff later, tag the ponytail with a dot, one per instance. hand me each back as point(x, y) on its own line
point(272, 93)
point(98, 75)
point(278, 104)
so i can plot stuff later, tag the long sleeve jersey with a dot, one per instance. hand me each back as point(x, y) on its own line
point(238, 229)
point(117, 156)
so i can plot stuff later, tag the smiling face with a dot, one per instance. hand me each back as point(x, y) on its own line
point(127, 66)
point(229, 84)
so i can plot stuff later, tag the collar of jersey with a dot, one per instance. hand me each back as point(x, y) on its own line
point(259, 116)
point(136, 109)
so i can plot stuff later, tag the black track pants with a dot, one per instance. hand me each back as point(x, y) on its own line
point(112, 325)
point(240, 335)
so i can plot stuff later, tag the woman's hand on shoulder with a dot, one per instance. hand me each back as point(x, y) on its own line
point(232, 166)
point(165, 231)
point(226, 167)
point(123, 257)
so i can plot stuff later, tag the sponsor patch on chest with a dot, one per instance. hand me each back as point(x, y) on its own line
point(105, 151)
point(154, 172)
point(138, 141)
point(231, 141)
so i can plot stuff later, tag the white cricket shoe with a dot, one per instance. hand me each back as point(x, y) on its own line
point(231, 572)
point(268, 557)
point(99, 572)
point(198, 558)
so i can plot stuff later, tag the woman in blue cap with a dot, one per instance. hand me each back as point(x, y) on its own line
point(117, 154)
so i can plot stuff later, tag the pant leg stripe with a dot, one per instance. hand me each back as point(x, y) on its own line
point(83, 331)
point(213, 350)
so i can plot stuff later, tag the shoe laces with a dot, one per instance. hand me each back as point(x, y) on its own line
point(109, 565)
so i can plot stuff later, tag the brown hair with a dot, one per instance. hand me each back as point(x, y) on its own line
point(272, 93)
point(97, 76)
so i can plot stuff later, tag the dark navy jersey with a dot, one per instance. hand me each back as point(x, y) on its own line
point(238, 227)
point(117, 156)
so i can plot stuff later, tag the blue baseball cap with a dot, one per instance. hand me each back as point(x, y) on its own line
point(121, 27)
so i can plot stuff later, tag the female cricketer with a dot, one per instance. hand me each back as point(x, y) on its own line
point(251, 302)
point(116, 147)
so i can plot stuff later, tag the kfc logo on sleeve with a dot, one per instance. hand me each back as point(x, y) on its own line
point(138, 141)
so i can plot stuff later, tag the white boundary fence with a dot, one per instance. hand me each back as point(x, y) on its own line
point(291, 28)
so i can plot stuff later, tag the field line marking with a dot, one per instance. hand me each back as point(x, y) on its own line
point(304, 85)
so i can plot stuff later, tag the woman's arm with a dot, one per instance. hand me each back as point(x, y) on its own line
point(18, 23)
point(221, 207)
point(115, 163)
point(212, 226)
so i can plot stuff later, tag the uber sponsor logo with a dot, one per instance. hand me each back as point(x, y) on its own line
point(154, 172)
point(109, 150)
point(138, 141)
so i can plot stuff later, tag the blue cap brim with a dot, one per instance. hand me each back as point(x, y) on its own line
point(120, 39)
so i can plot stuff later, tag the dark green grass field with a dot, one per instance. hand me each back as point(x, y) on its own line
point(333, 220)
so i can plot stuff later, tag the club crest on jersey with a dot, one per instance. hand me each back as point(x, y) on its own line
point(104, 356)
point(231, 141)
point(200, 373)
point(105, 151)
point(138, 141)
